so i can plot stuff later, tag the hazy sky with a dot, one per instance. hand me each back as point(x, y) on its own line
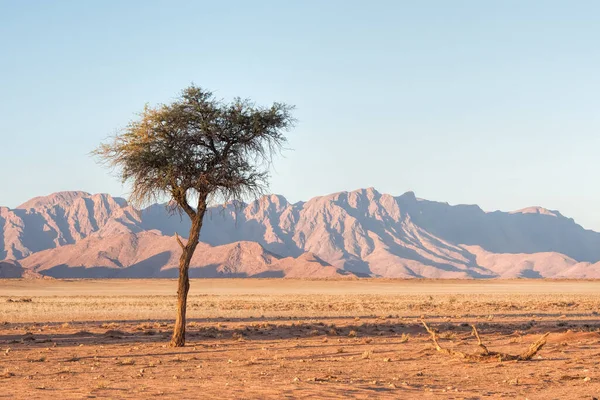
point(494, 103)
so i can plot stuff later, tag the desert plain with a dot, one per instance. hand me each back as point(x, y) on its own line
point(286, 338)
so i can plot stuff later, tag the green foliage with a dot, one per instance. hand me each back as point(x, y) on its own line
point(198, 147)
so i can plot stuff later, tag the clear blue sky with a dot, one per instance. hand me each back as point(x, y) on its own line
point(494, 103)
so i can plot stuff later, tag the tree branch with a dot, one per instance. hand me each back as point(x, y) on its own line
point(180, 196)
point(479, 343)
point(179, 241)
point(487, 355)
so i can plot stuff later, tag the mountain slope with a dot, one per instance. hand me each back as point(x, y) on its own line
point(363, 232)
point(59, 219)
point(151, 255)
point(377, 234)
point(531, 230)
point(536, 265)
point(13, 269)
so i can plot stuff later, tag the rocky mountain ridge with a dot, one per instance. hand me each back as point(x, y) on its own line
point(356, 233)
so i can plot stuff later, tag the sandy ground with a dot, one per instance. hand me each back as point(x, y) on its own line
point(297, 339)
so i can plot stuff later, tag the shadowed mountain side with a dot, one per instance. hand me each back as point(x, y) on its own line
point(60, 219)
point(306, 265)
point(10, 269)
point(531, 230)
point(13, 269)
point(266, 221)
point(538, 265)
point(343, 228)
point(363, 232)
point(151, 255)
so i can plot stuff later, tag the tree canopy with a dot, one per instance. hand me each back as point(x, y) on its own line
point(198, 146)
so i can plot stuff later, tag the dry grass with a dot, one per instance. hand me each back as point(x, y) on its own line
point(379, 299)
point(271, 339)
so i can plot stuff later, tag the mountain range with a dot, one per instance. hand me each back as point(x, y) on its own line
point(346, 234)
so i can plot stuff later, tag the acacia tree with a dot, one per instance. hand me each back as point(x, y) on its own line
point(195, 151)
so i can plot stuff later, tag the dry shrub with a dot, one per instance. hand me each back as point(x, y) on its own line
point(115, 334)
point(7, 374)
point(252, 361)
point(237, 335)
point(102, 385)
point(21, 300)
point(28, 337)
point(448, 335)
point(517, 339)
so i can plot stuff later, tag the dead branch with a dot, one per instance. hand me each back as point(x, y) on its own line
point(487, 355)
point(534, 348)
point(479, 343)
point(440, 348)
point(179, 241)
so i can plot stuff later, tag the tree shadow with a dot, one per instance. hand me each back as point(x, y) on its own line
point(205, 332)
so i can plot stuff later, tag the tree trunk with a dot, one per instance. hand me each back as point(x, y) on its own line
point(178, 339)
